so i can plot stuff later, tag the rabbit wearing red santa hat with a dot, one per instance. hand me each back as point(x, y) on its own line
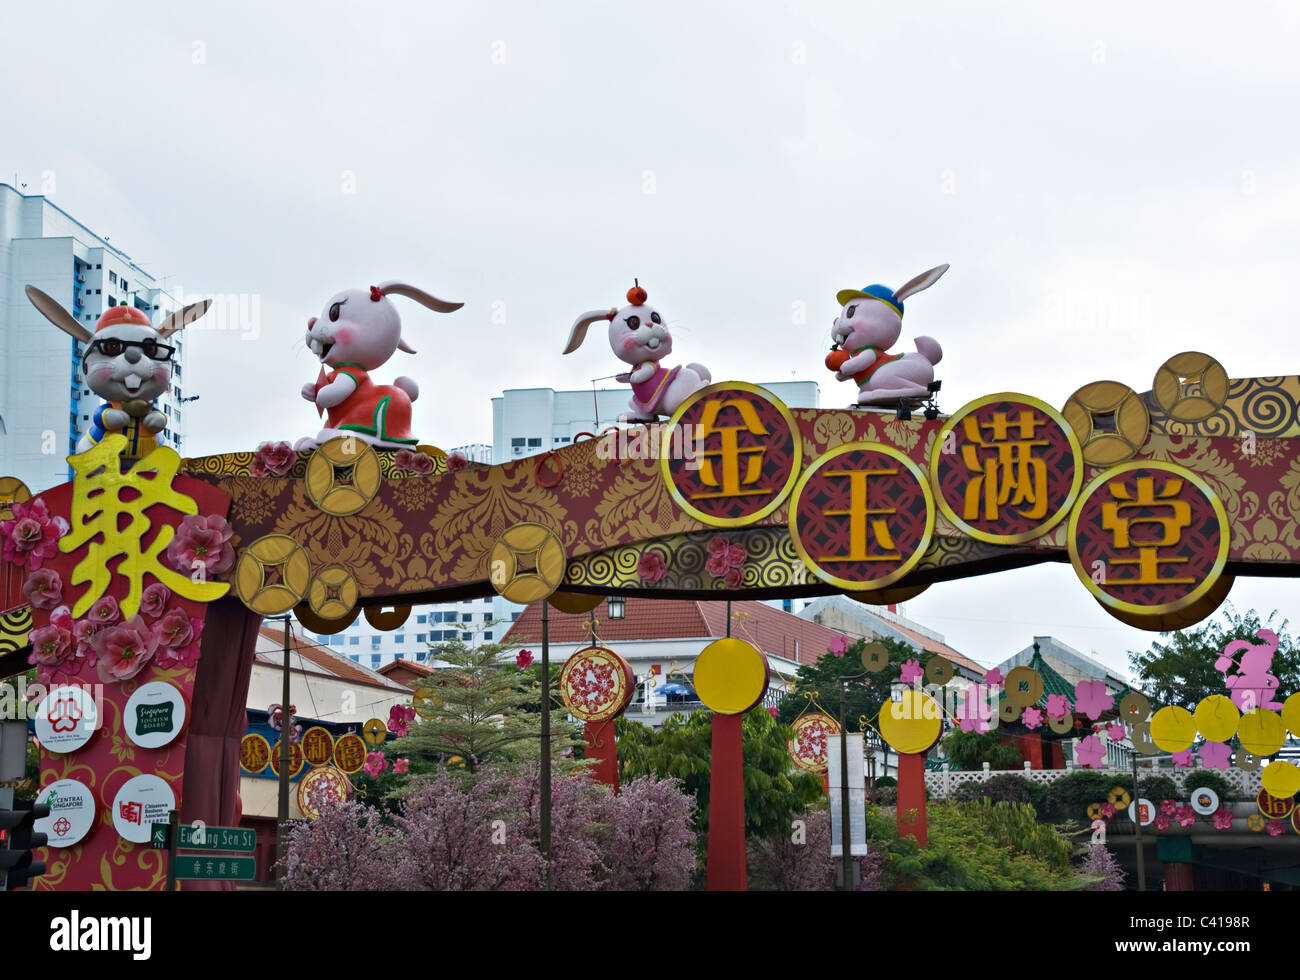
point(356, 333)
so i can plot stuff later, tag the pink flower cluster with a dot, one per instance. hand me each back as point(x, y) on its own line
point(839, 645)
point(375, 764)
point(1222, 818)
point(272, 458)
point(456, 462)
point(726, 561)
point(1185, 815)
point(400, 718)
point(411, 461)
point(31, 536)
point(202, 541)
point(652, 567)
point(524, 659)
point(1058, 706)
point(43, 588)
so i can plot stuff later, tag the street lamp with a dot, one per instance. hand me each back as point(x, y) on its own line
point(616, 606)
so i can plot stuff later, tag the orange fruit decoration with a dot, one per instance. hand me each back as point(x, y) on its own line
point(835, 358)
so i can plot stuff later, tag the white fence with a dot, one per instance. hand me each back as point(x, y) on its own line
point(942, 784)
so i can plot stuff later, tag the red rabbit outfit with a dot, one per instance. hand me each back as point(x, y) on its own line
point(381, 411)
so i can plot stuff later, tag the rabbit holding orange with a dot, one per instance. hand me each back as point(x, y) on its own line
point(638, 335)
point(867, 326)
point(356, 333)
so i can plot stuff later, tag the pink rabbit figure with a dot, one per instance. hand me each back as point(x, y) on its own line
point(1252, 686)
point(869, 323)
point(638, 335)
point(356, 333)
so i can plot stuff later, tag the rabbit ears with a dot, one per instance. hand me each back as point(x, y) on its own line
point(66, 322)
point(419, 295)
point(579, 331)
point(924, 281)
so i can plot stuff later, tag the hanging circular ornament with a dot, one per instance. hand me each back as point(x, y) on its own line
point(526, 562)
point(912, 724)
point(272, 574)
point(349, 753)
point(374, 732)
point(322, 788)
point(1024, 686)
point(875, 657)
point(1169, 387)
point(318, 624)
point(574, 603)
point(333, 592)
point(387, 620)
point(807, 744)
point(731, 676)
point(596, 684)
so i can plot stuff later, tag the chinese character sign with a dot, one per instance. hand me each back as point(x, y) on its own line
point(862, 516)
point(731, 454)
point(1006, 468)
point(108, 514)
point(1148, 538)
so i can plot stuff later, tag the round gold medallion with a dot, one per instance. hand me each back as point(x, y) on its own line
point(272, 574)
point(875, 657)
point(387, 619)
point(526, 563)
point(333, 592)
point(1110, 419)
point(1191, 367)
point(343, 476)
point(1024, 686)
point(12, 491)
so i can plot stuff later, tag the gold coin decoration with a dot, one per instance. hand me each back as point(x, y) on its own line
point(1094, 811)
point(374, 732)
point(1261, 732)
point(1291, 714)
point(939, 670)
point(1134, 708)
point(1061, 725)
point(1009, 712)
point(1140, 736)
point(526, 563)
point(1119, 798)
point(260, 563)
point(333, 592)
point(387, 619)
point(343, 476)
point(1110, 419)
point(731, 676)
point(1024, 686)
point(319, 624)
point(875, 657)
point(1169, 389)
point(12, 491)
point(1216, 718)
point(1281, 779)
point(574, 603)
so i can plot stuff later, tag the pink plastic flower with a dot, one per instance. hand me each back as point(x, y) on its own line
point(1276, 828)
point(652, 567)
point(1058, 706)
point(993, 678)
point(1222, 818)
point(524, 659)
point(455, 463)
point(717, 566)
point(911, 672)
point(401, 765)
point(375, 764)
point(1116, 732)
point(1108, 810)
point(1032, 717)
point(104, 612)
point(272, 458)
point(32, 535)
point(51, 646)
point(124, 649)
point(413, 462)
point(1162, 822)
point(771, 711)
point(1215, 755)
point(736, 555)
point(1090, 752)
point(178, 639)
point(154, 599)
point(839, 645)
point(43, 588)
point(83, 631)
point(202, 541)
point(400, 718)
point(1185, 815)
point(1091, 699)
point(733, 577)
point(1168, 807)
point(1183, 759)
point(718, 546)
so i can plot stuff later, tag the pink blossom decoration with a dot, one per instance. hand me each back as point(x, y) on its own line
point(718, 545)
point(524, 659)
point(32, 535)
point(1091, 699)
point(178, 639)
point(1058, 706)
point(911, 672)
point(375, 764)
point(1276, 828)
point(124, 649)
point(456, 462)
point(401, 765)
point(43, 588)
point(400, 718)
point(1116, 732)
point(83, 631)
point(104, 612)
point(51, 646)
point(1183, 759)
point(993, 678)
point(1168, 807)
point(733, 577)
point(652, 567)
point(272, 458)
point(839, 645)
point(1032, 717)
point(726, 560)
point(1090, 752)
point(771, 711)
point(1108, 809)
point(153, 602)
point(202, 541)
point(974, 713)
point(1162, 822)
point(1185, 815)
point(413, 462)
point(1215, 755)
point(1222, 818)
point(716, 566)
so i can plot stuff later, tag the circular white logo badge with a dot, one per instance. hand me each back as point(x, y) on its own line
point(142, 802)
point(72, 812)
point(155, 714)
point(1144, 807)
point(66, 718)
point(1205, 801)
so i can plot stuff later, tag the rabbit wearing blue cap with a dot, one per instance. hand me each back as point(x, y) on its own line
point(869, 323)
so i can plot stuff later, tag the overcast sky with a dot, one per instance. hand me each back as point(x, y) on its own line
point(1111, 184)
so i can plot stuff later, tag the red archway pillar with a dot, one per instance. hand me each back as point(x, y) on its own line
point(602, 748)
point(725, 868)
point(911, 798)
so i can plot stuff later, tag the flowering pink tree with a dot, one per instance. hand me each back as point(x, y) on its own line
point(345, 849)
point(1100, 863)
point(651, 847)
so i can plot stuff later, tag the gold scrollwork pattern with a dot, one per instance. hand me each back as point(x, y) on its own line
point(1267, 407)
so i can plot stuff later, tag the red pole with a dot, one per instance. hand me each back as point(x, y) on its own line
point(726, 859)
point(911, 797)
point(601, 747)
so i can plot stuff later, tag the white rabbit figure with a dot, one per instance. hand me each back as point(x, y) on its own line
point(869, 323)
point(128, 364)
point(638, 335)
point(357, 332)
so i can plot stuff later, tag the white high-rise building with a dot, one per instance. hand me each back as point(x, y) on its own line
point(44, 402)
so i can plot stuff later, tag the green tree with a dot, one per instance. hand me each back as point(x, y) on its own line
point(774, 790)
point(864, 696)
point(970, 750)
point(1178, 669)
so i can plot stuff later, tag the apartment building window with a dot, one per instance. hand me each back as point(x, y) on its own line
point(419, 637)
point(487, 635)
point(466, 617)
point(112, 277)
point(422, 619)
point(356, 658)
point(374, 660)
point(516, 442)
point(419, 657)
point(99, 265)
point(467, 636)
point(354, 640)
point(535, 443)
point(375, 640)
point(400, 655)
point(401, 638)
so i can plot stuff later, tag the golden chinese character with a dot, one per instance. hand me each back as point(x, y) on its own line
point(863, 519)
point(1012, 469)
point(1172, 525)
point(98, 508)
point(724, 473)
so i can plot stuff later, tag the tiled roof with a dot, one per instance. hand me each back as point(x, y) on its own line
point(270, 647)
point(774, 631)
point(420, 670)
